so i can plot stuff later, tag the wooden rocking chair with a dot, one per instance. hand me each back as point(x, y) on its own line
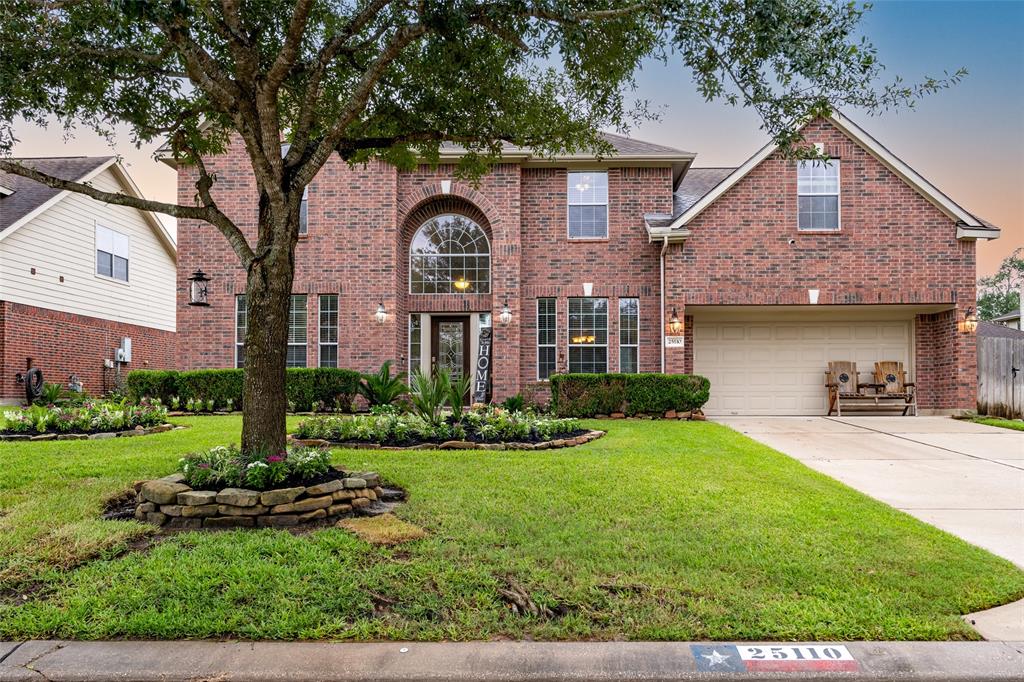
point(891, 381)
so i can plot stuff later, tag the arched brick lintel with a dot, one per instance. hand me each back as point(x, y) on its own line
point(421, 202)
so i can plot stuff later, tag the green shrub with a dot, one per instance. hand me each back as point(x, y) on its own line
point(381, 388)
point(222, 467)
point(307, 388)
point(586, 395)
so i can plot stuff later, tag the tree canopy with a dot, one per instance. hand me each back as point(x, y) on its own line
point(999, 294)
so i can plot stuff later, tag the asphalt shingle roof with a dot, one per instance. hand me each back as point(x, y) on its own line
point(29, 194)
point(695, 184)
point(991, 330)
point(624, 146)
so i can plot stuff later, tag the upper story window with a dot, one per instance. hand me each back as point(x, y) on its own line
point(450, 254)
point(304, 212)
point(111, 253)
point(588, 205)
point(817, 188)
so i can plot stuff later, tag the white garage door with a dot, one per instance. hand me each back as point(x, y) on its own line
point(767, 368)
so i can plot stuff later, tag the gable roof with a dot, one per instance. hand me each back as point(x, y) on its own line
point(695, 185)
point(28, 198)
point(28, 195)
point(969, 226)
point(991, 330)
point(1015, 315)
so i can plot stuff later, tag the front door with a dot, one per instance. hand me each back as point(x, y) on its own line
point(450, 345)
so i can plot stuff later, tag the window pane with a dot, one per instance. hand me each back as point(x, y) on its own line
point(588, 188)
point(329, 318)
point(104, 263)
point(545, 362)
point(547, 337)
point(628, 359)
point(297, 319)
point(588, 359)
point(415, 342)
point(629, 320)
point(296, 355)
point(587, 197)
point(329, 355)
point(120, 242)
point(588, 335)
point(588, 222)
point(241, 320)
point(121, 268)
point(304, 212)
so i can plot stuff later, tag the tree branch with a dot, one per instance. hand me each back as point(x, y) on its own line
point(208, 213)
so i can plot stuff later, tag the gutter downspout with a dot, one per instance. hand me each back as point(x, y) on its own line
point(664, 248)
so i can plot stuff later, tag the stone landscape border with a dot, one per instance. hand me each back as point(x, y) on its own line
point(172, 503)
point(456, 444)
point(137, 431)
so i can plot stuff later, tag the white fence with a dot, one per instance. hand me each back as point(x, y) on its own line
point(1001, 377)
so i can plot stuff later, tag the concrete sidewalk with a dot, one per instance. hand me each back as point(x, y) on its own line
point(62, 661)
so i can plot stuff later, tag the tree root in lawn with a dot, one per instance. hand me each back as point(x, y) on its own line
point(522, 604)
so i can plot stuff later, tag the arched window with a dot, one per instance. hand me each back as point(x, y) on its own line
point(450, 254)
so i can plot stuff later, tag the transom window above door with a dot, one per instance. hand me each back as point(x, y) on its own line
point(817, 188)
point(588, 205)
point(450, 254)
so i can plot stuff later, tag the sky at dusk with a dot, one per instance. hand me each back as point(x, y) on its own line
point(968, 141)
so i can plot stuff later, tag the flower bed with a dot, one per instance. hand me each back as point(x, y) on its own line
point(171, 502)
point(486, 428)
point(224, 488)
point(90, 419)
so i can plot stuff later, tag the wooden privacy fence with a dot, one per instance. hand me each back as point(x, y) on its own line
point(1001, 377)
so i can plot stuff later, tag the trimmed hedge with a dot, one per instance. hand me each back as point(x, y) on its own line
point(586, 395)
point(306, 387)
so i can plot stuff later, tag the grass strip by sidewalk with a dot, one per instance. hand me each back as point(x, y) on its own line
point(1014, 424)
point(661, 530)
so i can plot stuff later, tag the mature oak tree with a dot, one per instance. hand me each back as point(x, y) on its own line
point(393, 79)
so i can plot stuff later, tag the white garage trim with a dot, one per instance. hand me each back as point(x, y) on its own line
point(777, 367)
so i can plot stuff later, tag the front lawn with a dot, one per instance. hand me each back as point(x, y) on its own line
point(1015, 424)
point(660, 530)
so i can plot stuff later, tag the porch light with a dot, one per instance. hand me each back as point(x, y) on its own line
point(382, 313)
point(461, 284)
point(674, 325)
point(506, 313)
point(198, 289)
point(969, 325)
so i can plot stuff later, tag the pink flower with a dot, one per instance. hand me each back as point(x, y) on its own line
point(275, 458)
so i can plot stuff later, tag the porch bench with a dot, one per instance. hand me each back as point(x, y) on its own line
point(888, 389)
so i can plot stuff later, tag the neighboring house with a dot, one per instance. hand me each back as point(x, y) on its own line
point(755, 276)
point(80, 279)
point(1011, 320)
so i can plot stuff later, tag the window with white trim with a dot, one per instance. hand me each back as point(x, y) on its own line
point(112, 253)
point(629, 335)
point(296, 356)
point(304, 212)
point(588, 205)
point(547, 337)
point(328, 330)
point(415, 343)
point(817, 188)
point(588, 335)
point(241, 323)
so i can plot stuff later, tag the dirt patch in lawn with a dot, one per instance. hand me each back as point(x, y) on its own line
point(386, 529)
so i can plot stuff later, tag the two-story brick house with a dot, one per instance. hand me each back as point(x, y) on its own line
point(753, 276)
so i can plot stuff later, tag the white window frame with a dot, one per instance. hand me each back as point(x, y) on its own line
point(418, 317)
point(568, 330)
point(838, 194)
point(305, 338)
point(240, 343)
point(304, 212)
point(630, 345)
point(569, 205)
point(547, 345)
point(127, 258)
point(320, 329)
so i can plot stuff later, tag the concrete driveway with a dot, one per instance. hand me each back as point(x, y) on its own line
point(965, 478)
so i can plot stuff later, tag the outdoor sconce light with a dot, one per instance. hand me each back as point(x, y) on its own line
point(674, 325)
point(969, 325)
point(198, 289)
point(382, 313)
point(506, 313)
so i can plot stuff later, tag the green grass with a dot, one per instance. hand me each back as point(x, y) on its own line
point(1015, 424)
point(660, 530)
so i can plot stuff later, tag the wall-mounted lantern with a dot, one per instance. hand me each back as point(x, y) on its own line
point(198, 289)
point(506, 313)
point(674, 324)
point(381, 314)
point(969, 324)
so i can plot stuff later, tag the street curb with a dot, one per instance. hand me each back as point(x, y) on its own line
point(190, 661)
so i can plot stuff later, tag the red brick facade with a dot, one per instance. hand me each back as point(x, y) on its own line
point(61, 344)
point(894, 248)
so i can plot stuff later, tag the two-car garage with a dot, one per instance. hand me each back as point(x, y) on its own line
point(772, 362)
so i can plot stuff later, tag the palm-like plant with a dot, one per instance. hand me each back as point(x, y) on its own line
point(429, 394)
point(458, 389)
point(382, 388)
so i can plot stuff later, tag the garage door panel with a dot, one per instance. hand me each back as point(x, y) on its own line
point(765, 368)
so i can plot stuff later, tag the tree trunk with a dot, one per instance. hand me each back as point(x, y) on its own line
point(264, 401)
